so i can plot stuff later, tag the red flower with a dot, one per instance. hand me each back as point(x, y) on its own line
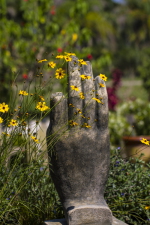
point(25, 76)
point(112, 98)
point(89, 56)
point(52, 11)
point(59, 49)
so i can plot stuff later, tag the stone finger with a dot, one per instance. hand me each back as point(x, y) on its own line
point(102, 106)
point(88, 91)
point(59, 111)
point(74, 90)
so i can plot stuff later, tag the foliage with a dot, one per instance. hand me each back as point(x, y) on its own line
point(133, 25)
point(144, 69)
point(24, 176)
point(36, 29)
point(112, 35)
point(27, 193)
point(29, 196)
point(118, 127)
point(129, 120)
point(127, 191)
point(139, 118)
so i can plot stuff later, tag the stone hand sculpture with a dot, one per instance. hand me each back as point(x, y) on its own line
point(78, 147)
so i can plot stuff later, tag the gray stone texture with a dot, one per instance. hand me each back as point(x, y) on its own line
point(64, 222)
point(79, 157)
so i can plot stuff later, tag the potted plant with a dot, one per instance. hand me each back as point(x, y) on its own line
point(137, 113)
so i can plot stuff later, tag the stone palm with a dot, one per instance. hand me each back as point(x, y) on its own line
point(78, 143)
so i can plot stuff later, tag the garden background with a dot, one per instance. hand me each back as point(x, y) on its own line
point(115, 38)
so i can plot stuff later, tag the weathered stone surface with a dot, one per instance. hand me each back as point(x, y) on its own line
point(64, 222)
point(118, 222)
point(79, 156)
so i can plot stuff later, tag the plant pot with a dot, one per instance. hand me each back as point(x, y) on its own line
point(132, 147)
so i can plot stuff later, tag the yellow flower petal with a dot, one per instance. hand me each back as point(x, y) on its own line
point(84, 77)
point(97, 100)
point(59, 57)
point(23, 93)
point(72, 123)
point(75, 88)
point(145, 141)
point(42, 60)
point(42, 106)
point(1, 120)
point(60, 73)
point(51, 64)
point(4, 108)
point(103, 77)
point(101, 85)
point(82, 62)
point(13, 123)
point(81, 95)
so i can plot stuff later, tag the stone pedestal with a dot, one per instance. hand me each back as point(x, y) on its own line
point(63, 222)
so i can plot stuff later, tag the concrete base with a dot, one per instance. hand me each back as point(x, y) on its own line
point(63, 222)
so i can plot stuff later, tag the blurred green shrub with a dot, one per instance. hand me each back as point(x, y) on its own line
point(37, 29)
point(130, 119)
point(128, 190)
point(30, 196)
point(118, 127)
point(144, 69)
point(139, 112)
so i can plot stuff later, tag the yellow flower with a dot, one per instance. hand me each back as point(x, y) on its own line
point(51, 64)
point(78, 111)
point(75, 88)
point(5, 134)
point(145, 141)
point(60, 73)
point(71, 105)
point(42, 60)
point(70, 53)
point(82, 62)
point(97, 100)
point(72, 123)
point(23, 93)
point(101, 85)
point(63, 32)
point(103, 77)
point(23, 123)
point(1, 119)
point(41, 106)
point(59, 57)
point(147, 207)
point(74, 37)
point(81, 95)
point(83, 77)
point(7, 53)
point(67, 58)
point(41, 97)
point(86, 125)
point(3, 107)
point(13, 123)
point(35, 139)
point(42, 20)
